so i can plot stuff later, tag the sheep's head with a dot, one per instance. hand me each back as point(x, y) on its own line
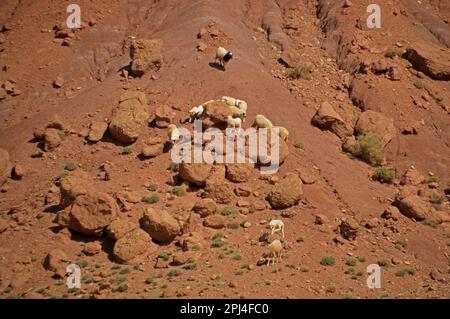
point(228, 56)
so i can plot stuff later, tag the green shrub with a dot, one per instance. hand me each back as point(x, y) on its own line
point(173, 273)
point(299, 145)
point(127, 150)
point(429, 223)
point(384, 175)
point(151, 199)
point(151, 281)
point(433, 179)
point(351, 262)
point(418, 84)
point(299, 72)
point(87, 279)
point(406, 271)
point(369, 149)
point(178, 191)
point(218, 242)
point(384, 263)
point(163, 256)
point(390, 53)
point(122, 287)
point(234, 225)
point(237, 257)
point(70, 166)
point(400, 244)
point(227, 211)
point(174, 167)
point(328, 261)
point(331, 289)
point(300, 239)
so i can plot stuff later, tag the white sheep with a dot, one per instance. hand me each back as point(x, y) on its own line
point(196, 113)
point(237, 112)
point(234, 122)
point(273, 252)
point(262, 122)
point(173, 133)
point(242, 105)
point(282, 132)
point(231, 101)
point(276, 226)
point(223, 56)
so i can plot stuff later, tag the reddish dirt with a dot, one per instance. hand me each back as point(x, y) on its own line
point(326, 37)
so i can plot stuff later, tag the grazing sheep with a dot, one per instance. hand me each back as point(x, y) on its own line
point(262, 122)
point(173, 132)
point(273, 253)
point(283, 132)
point(242, 105)
point(196, 113)
point(231, 101)
point(234, 122)
point(276, 226)
point(223, 56)
point(236, 112)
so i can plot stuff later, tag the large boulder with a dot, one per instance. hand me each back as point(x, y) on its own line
point(219, 191)
point(133, 246)
point(196, 173)
point(129, 118)
point(239, 172)
point(52, 139)
point(71, 186)
point(218, 112)
point(96, 131)
point(164, 115)
point(327, 118)
point(215, 221)
point(374, 122)
point(414, 206)
point(205, 207)
point(286, 193)
point(5, 166)
point(56, 261)
point(146, 55)
point(160, 225)
point(119, 228)
point(91, 213)
point(412, 177)
point(349, 228)
point(430, 60)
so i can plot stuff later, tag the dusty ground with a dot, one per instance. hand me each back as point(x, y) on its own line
point(350, 70)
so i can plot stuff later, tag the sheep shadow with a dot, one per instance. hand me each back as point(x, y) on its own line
point(217, 66)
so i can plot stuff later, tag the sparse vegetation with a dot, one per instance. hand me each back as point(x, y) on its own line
point(362, 259)
point(299, 72)
point(164, 256)
point(82, 263)
point(328, 261)
point(233, 225)
point(178, 191)
point(391, 53)
point(70, 166)
point(122, 287)
point(351, 262)
point(87, 279)
point(331, 289)
point(406, 271)
point(384, 175)
point(433, 179)
point(174, 167)
point(151, 281)
point(237, 257)
point(300, 239)
point(125, 271)
point(227, 211)
point(127, 150)
point(349, 270)
point(384, 263)
point(239, 272)
point(151, 199)
point(429, 223)
point(418, 84)
point(190, 266)
point(218, 242)
point(299, 145)
point(369, 149)
point(400, 244)
point(173, 273)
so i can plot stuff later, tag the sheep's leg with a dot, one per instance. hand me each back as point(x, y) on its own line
point(282, 231)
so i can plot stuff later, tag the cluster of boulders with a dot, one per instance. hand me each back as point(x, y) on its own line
point(367, 123)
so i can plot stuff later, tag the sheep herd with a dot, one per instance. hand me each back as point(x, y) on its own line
point(237, 116)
